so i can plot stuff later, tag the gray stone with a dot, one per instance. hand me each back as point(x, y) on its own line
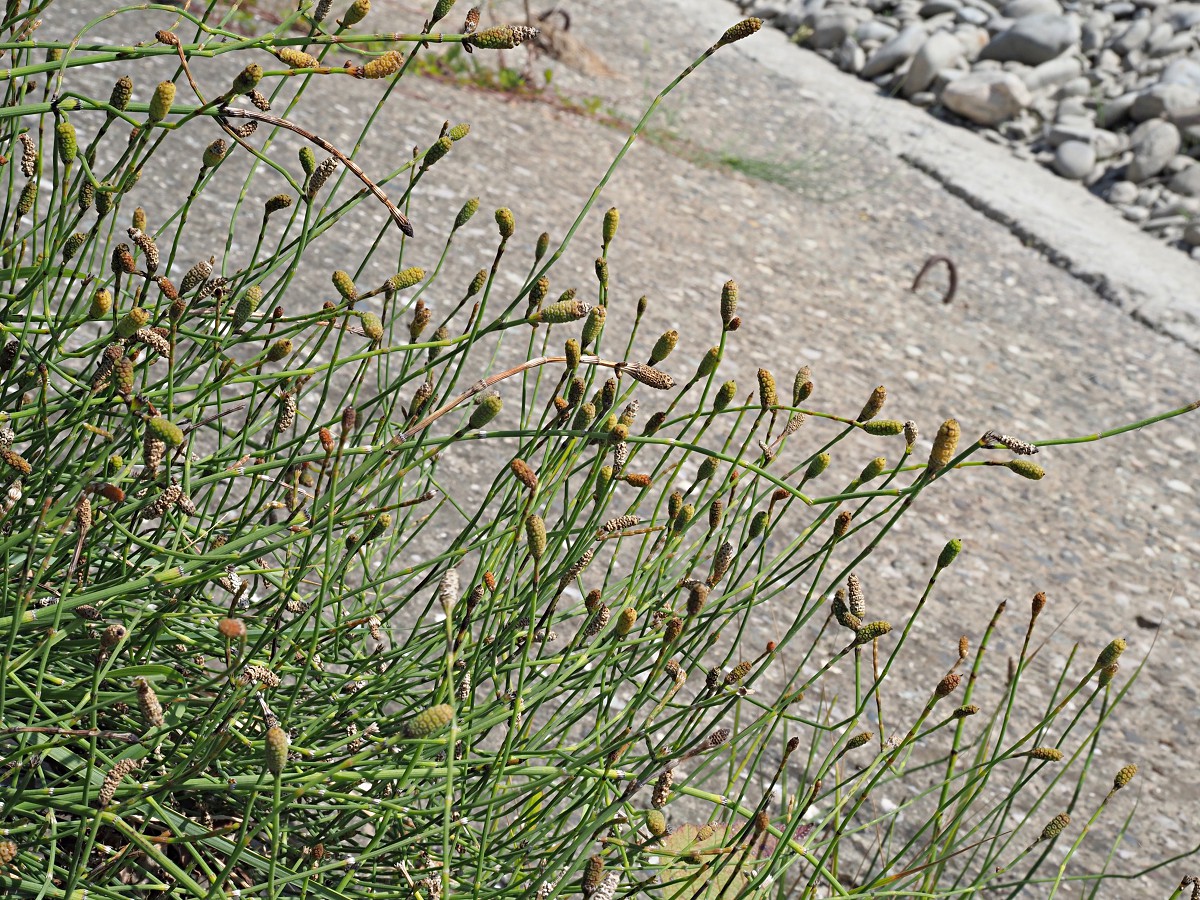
point(1074, 160)
point(1103, 84)
point(1076, 87)
point(1180, 43)
point(1109, 143)
point(944, 77)
point(937, 7)
point(1159, 36)
point(1109, 62)
point(973, 39)
point(874, 30)
point(1183, 206)
point(923, 99)
point(1135, 213)
point(1091, 37)
point(1070, 130)
point(1073, 108)
point(987, 98)
point(940, 22)
point(1186, 121)
point(999, 23)
point(1019, 9)
point(1163, 205)
point(1154, 143)
point(1162, 223)
point(1178, 163)
point(791, 18)
point(1114, 111)
point(1120, 10)
point(1182, 71)
point(1123, 193)
point(850, 57)
point(1043, 107)
point(894, 52)
point(972, 16)
point(1052, 73)
point(1021, 129)
point(1132, 37)
point(1186, 181)
point(1034, 40)
point(1183, 16)
point(830, 28)
point(1191, 234)
point(941, 51)
point(1168, 100)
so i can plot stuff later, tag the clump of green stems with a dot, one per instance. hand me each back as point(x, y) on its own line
point(256, 639)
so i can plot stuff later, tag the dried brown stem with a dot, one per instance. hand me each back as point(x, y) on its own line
point(398, 217)
point(123, 736)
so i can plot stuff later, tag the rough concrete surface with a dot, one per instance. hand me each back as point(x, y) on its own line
point(1111, 533)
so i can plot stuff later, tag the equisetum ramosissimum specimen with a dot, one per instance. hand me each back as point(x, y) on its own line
point(261, 634)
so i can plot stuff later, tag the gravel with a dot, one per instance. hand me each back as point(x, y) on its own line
point(1106, 67)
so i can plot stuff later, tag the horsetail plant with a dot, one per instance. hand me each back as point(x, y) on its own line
point(262, 639)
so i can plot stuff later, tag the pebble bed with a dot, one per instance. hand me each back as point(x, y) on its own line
point(1106, 94)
